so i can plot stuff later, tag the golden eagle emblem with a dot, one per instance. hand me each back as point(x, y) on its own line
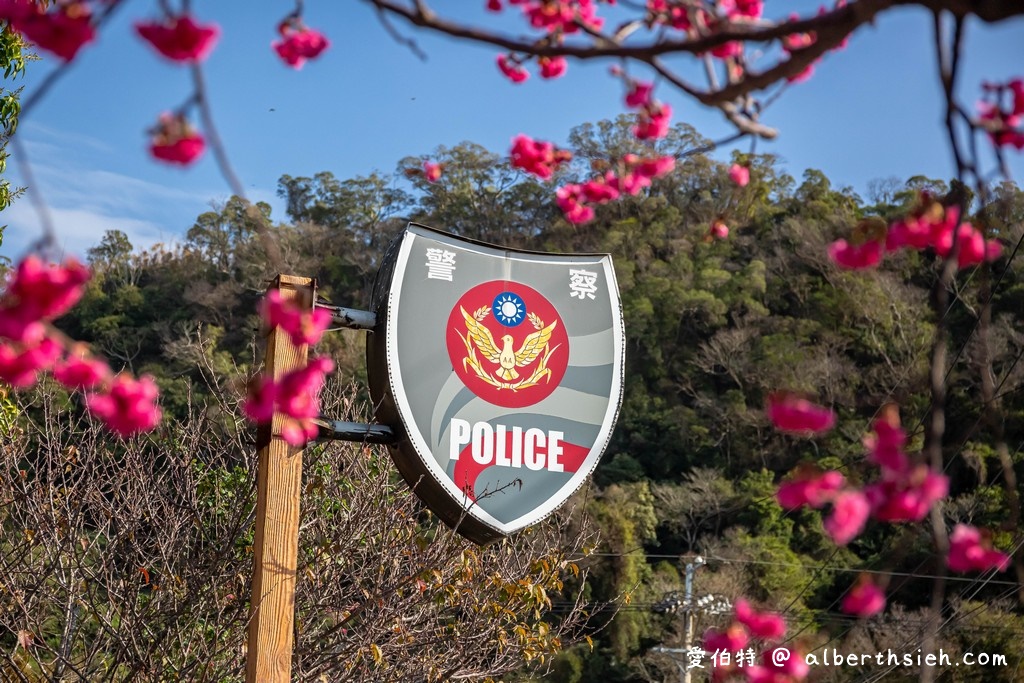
point(479, 338)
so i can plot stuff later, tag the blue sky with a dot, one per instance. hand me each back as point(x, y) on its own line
point(871, 111)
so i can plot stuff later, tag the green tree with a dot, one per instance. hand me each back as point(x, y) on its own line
point(12, 61)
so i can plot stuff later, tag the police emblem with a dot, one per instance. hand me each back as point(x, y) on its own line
point(512, 352)
point(502, 382)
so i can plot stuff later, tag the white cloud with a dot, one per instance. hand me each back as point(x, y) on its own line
point(77, 229)
point(86, 198)
point(44, 137)
point(70, 186)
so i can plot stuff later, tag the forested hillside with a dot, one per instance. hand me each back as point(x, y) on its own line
point(713, 327)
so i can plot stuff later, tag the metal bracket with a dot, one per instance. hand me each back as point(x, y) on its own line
point(337, 430)
point(352, 318)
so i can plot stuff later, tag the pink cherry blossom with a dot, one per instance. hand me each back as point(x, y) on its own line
point(932, 225)
point(850, 511)
point(733, 638)
point(176, 141)
point(297, 390)
point(655, 167)
point(301, 326)
point(260, 401)
point(1004, 121)
point(512, 69)
point(797, 41)
point(865, 599)
point(765, 625)
point(294, 397)
point(14, 11)
point(537, 157)
point(677, 15)
point(739, 9)
point(885, 446)
point(1016, 87)
point(639, 95)
point(777, 669)
point(810, 488)
point(181, 152)
point(180, 38)
point(298, 43)
point(42, 291)
point(909, 232)
point(732, 48)
point(970, 551)
point(80, 371)
point(792, 414)
point(569, 199)
point(63, 30)
point(552, 67)
point(599, 191)
point(494, 5)
point(719, 230)
point(298, 432)
point(629, 183)
point(20, 367)
point(298, 402)
point(926, 223)
point(653, 122)
point(973, 248)
point(128, 406)
point(432, 172)
point(15, 327)
point(906, 497)
point(855, 257)
point(739, 174)
point(561, 16)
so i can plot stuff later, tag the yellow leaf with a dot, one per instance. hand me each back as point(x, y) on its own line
point(378, 656)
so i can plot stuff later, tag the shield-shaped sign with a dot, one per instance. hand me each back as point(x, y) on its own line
point(501, 372)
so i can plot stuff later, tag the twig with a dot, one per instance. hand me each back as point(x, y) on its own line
point(948, 61)
point(48, 240)
point(270, 245)
point(409, 43)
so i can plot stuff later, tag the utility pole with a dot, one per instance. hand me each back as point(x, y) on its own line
point(691, 569)
point(672, 603)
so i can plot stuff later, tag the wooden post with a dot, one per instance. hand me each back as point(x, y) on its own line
point(279, 483)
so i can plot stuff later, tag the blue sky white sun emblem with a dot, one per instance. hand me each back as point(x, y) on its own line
point(509, 309)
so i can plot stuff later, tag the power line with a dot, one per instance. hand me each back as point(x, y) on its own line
point(811, 567)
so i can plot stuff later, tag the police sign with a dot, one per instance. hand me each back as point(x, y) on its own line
point(501, 371)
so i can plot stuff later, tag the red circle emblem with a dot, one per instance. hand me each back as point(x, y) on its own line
point(507, 343)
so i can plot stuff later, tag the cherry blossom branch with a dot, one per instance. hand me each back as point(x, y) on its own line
point(202, 100)
point(948, 61)
point(404, 41)
point(48, 240)
point(831, 27)
point(744, 123)
point(849, 17)
point(270, 245)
